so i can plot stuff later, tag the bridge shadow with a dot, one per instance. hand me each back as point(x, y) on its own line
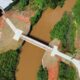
point(38, 40)
point(35, 38)
point(43, 42)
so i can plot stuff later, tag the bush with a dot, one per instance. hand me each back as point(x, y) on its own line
point(67, 72)
point(22, 4)
point(8, 63)
point(61, 3)
point(42, 4)
point(42, 74)
point(71, 38)
point(55, 3)
point(76, 11)
point(35, 18)
point(65, 31)
point(39, 4)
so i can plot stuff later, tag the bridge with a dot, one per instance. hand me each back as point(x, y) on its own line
point(54, 51)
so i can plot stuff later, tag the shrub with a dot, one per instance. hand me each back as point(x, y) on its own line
point(22, 4)
point(65, 31)
point(42, 74)
point(39, 4)
point(55, 3)
point(71, 38)
point(35, 18)
point(67, 72)
point(8, 63)
point(61, 3)
point(76, 11)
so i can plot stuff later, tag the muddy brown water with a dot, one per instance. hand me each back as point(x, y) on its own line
point(31, 56)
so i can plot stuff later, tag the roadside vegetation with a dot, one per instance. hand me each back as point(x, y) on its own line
point(8, 63)
point(42, 74)
point(67, 72)
point(65, 31)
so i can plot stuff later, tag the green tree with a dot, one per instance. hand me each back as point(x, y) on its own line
point(22, 4)
point(67, 72)
point(42, 74)
point(65, 31)
point(55, 3)
point(8, 63)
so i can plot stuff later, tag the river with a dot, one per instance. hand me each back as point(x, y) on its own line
point(31, 56)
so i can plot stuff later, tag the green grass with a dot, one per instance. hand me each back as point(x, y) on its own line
point(8, 63)
point(65, 30)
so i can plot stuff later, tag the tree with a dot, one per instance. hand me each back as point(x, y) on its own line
point(8, 63)
point(42, 74)
point(65, 31)
point(67, 72)
point(22, 4)
point(55, 3)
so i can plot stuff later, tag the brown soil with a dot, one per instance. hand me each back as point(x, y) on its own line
point(7, 34)
point(31, 56)
point(53, 71)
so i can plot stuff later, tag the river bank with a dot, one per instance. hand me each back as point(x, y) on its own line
point(31, 56)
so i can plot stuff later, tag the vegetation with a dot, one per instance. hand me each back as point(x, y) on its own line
point(42, 4)
point(67, 72)
point(76, 14)
point(38, 4)
point(65, 31)
point(22, 4)
point(35, 18)
point(76, 11)
point(42, 74)
point(55, 3)
point(8, 63)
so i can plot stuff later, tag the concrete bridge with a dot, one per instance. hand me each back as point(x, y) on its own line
point(54, 51)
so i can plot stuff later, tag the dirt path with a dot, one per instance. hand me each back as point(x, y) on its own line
point(31, 56)
point(6, 40)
